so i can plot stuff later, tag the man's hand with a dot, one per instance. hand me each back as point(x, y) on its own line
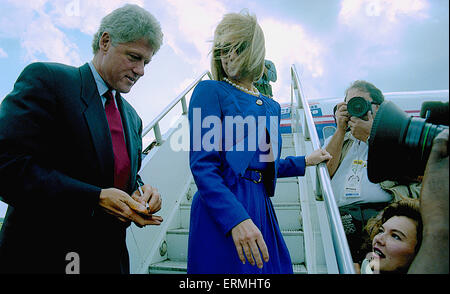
point(342, 116)
point(432, 257)
point(334, 146)
point(151, 196)
point(249, 241)
point(121, 205)
point(361, 128)
point(434, 196)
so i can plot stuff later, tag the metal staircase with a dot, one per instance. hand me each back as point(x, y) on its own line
point(287, 206)
point(310, 226)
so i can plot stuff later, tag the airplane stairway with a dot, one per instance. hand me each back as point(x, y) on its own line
point(287, 206)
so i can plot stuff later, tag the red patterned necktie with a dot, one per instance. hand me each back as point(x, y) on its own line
point(122, 164)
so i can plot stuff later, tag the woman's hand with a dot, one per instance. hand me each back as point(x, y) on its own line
point(317, 156)
point(249, 241)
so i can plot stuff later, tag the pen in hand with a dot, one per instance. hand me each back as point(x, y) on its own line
point(142, 194)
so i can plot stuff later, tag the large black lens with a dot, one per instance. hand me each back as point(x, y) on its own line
point(358, 106)
point(399, 145)
point(435, 112)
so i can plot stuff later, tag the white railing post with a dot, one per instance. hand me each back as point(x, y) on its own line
point(184, 105)
point(157, 132)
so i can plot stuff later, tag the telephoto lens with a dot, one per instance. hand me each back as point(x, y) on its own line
point(358, 107)
point(399, 145)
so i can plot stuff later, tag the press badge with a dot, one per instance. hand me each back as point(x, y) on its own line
point(353, 179)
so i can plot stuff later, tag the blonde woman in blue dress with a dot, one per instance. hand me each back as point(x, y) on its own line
point(233, 226)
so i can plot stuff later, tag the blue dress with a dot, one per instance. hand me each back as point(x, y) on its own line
point(226, 196)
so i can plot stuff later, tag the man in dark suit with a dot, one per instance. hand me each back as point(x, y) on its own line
point(70, 149)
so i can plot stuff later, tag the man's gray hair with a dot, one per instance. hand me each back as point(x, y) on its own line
point(375, 93)
point(128, 24)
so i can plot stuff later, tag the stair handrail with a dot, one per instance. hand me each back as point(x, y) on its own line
point(342, 250)
point(182, 97)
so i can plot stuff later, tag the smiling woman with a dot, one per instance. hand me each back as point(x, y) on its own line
point(395, 238)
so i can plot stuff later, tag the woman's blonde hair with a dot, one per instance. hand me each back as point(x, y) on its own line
point(239, 33)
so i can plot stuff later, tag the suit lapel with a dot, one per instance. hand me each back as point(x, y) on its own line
point(98, 125)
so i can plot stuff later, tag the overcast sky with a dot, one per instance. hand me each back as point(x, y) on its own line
point(399, 45)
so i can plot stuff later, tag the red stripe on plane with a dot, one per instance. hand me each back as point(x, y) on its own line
point(325, 122)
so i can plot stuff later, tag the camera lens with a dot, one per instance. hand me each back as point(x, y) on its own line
point(358, 106)
point(419, 139)
point(399, 145)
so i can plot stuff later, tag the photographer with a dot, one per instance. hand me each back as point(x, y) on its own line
point(358, 198)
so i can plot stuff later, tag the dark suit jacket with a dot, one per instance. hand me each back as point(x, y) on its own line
point(55, 157)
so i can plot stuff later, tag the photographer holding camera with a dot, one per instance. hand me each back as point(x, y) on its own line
point(358, 199)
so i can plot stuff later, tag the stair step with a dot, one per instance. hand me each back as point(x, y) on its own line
point(168, 267)
point(180, 267)
point(177, 240)
point(299, 268)
point(285, 191)
point(288, 215)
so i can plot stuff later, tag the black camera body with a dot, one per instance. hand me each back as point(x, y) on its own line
point(399, 145)
point(358, 107)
